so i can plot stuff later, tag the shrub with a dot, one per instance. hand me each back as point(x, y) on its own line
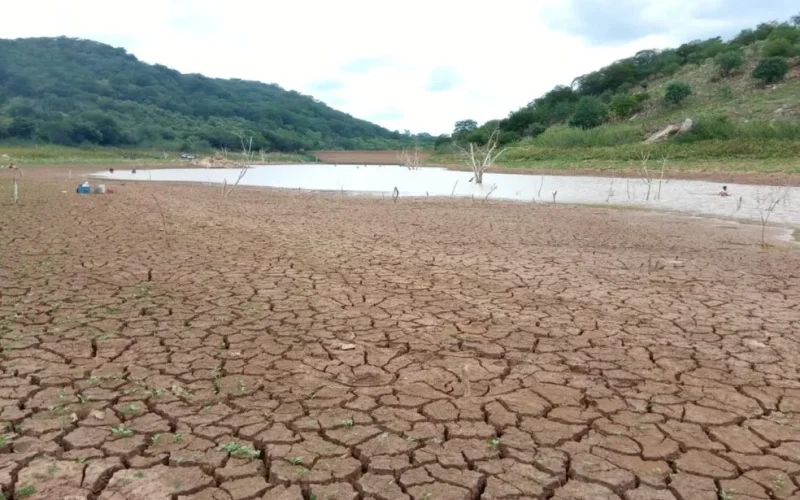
point(677, 92)
point(725, 91)
point(671, 68)
point(729, 61)
point(534, 130)
point(771, 70)
point(778, 47)
point(589, 113)
point(623, 105)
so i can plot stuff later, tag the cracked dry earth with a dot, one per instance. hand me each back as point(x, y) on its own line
point(278, 345)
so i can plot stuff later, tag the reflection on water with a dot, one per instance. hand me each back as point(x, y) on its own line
point(696, 197)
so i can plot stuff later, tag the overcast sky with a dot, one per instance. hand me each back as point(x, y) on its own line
point(416, 64)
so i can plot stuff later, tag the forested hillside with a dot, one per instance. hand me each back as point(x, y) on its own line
point(743, 95)
point(77, 92)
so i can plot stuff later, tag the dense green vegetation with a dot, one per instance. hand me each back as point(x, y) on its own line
point(78, 92)
point(726, 87)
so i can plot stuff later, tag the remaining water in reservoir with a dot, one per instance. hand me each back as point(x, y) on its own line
point(694, 197)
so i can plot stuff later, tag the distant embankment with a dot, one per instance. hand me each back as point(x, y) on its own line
point(364, 157)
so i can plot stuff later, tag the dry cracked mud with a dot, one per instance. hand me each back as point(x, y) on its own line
point(166, 343)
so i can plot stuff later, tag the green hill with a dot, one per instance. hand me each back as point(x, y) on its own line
point(78, 92)
point(602, 120)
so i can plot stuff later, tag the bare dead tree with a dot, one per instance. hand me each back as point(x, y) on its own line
point(395, 194)
point(247, 153)
point(766, 203)
point(163, 220)
point(410, 158)
point(489, 193)
point(554, 196)
point(541, 185)
point(661, 179)
point(482, 158)
point(453, 192)
point(645, 157)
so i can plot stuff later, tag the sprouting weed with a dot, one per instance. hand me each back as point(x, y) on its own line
point(131, 409)
point(139, 474)
point(176, 484)
point(5, 441)
point(296, 460)
point(238, 450)
point(221, 345)
point(177, 438)
point(113, 310)
point(122, 431)
point(62, 394)
point(215, 374)
point(83, 399)
point(778, 482)
point(179, 460)
point(493, 442)
point(154, 393)
point(349, 422)
point(80, 460)
point(411, 439)
point(155, 438)
point(140, 291)
point(241, 387)
point(301, 471)
point(93, 379)
point(724, 495)
point(26, 491)
point(52, 469)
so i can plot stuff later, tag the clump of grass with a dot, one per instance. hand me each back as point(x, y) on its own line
point(122, 431)
point(238, 450)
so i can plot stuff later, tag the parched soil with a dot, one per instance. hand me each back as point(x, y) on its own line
point(165, 343)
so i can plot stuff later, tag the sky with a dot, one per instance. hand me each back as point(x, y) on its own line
point(418, 65)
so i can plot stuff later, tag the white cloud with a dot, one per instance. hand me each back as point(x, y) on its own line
point(370, 59)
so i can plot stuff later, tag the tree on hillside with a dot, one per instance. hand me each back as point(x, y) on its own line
point(589, 113)
point(729, 61)
point(796, 19)
point(464, 126)
point(771, 70)
point(677, 92)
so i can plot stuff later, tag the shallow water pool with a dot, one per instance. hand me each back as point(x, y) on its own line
point(693, 197)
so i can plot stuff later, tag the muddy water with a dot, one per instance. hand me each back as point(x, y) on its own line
point(694, 197)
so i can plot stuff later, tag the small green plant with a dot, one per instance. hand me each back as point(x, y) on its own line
point(81, 460)
point(83, 399)
point(240, 386)
point(177, 438)
point(154, 393)
point(62, 394)
point(176, 485)
point(179, 460)
point(122, 431)
point(724, 495)
point(215, 375)
point(493, 442)
point(779, 482)
point(139, 474)
point(155, 438)
point(52, 469)
point(349, 422)
point(238, 450)
point(26, 491)
point(131, 409)
point(676, 93)
point(771, 70)
point(296, 460)
point(411, 439)
point(141, 291)
point(113, 310)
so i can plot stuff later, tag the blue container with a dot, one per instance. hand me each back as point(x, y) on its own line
point(84, 190)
